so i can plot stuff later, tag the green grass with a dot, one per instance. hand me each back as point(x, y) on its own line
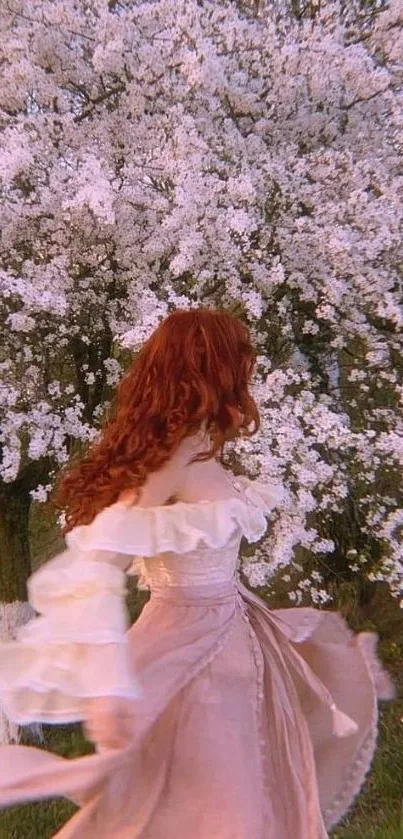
point(42, 820)
point(377, 813)
point(39, 821)
point(381, 833)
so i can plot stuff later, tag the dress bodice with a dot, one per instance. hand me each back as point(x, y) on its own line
point(194, 568)
point(181, 544)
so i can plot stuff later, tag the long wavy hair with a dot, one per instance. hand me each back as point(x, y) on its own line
point(193, 371)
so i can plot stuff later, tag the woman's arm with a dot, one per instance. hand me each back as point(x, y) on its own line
point(75, 649)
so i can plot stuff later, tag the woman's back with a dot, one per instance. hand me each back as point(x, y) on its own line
point(182, 479)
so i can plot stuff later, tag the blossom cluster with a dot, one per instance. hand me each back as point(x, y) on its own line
point(171, 153)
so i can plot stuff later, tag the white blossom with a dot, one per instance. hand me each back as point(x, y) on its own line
point(173, 154)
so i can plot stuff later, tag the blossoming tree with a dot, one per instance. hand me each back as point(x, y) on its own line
point(172, 152)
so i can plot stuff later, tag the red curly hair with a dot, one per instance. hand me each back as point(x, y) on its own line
point(194, 369)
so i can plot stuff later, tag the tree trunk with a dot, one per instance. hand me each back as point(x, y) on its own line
point(15, 504)
point(15, 568)
point(15, 565)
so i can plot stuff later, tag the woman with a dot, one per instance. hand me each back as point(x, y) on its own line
point(213, 717)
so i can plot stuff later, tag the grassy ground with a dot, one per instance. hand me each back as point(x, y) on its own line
point(378, 813)
point(41, 821)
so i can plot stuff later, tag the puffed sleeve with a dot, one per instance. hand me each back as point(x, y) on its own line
point(76, 647)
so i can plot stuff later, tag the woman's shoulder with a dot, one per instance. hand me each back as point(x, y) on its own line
point(180, 527)
point(166, 484)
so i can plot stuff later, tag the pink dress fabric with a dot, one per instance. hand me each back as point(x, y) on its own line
point(249, 723)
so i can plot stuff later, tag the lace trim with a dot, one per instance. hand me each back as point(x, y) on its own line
point(354, 779)
point(259, 696)
point(359, 769)
point(356, 775)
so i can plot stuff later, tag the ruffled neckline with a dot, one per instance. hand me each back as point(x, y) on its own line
point(181, 527)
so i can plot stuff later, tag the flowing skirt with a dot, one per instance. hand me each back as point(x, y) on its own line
point(254, 724)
